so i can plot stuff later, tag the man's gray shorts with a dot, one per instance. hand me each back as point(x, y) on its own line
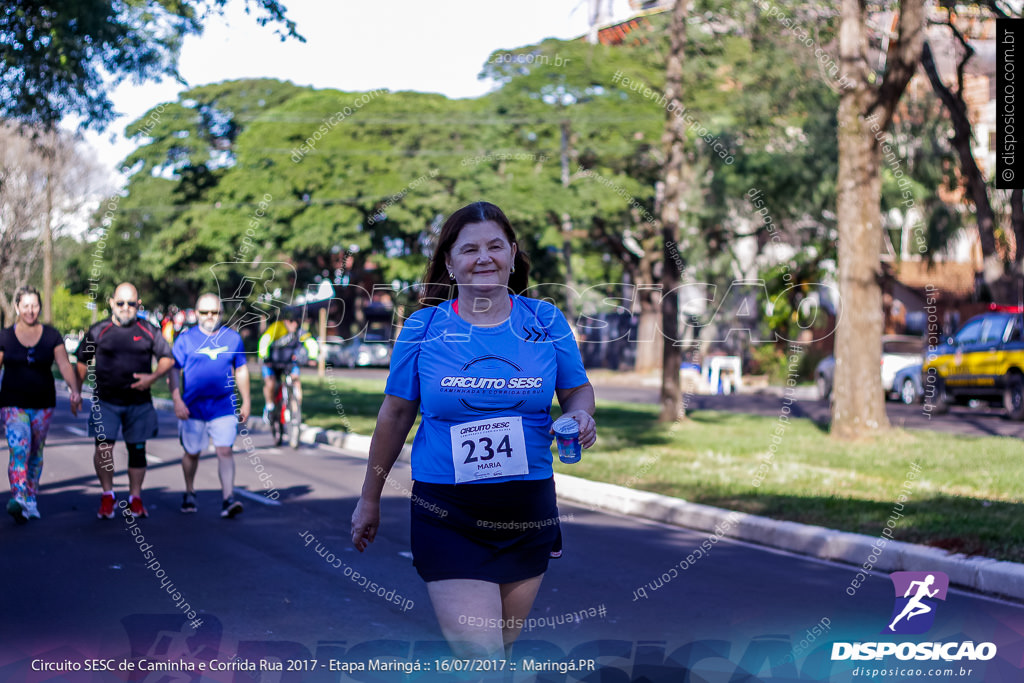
point(107, 422)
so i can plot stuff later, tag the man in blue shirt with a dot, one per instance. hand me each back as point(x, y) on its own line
point(211, 361)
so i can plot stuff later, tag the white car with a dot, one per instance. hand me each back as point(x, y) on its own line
point(899, 352)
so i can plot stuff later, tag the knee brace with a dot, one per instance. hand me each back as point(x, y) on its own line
point(136, 454)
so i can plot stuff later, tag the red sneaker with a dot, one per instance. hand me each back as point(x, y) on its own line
point(138, 509)
point(106, 510)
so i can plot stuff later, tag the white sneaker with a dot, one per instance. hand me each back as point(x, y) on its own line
point(31, 509)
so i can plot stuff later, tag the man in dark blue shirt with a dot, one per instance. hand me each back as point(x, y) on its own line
point(211, 360)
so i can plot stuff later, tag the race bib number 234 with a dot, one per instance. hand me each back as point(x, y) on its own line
point(490, 448)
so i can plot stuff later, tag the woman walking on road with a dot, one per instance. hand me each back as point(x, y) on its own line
point(28, 397)
point(481, 365)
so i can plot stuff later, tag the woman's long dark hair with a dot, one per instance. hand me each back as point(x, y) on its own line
point(437, 285)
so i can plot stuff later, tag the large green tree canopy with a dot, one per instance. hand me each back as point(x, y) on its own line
point(63, 57)
point(266, 171)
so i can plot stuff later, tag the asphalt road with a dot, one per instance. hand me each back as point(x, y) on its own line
point(266, 593)
point(982, 421)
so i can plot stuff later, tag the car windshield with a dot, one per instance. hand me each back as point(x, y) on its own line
point(992, 329)
point(986, 329)
point(970, 333)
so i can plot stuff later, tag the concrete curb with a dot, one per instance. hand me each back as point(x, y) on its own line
point(982, 574)
point(339, 439)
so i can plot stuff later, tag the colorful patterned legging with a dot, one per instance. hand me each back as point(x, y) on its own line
point(26, 433)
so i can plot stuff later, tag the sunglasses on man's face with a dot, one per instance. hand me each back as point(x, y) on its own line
point(208, 312)
point(130, 304)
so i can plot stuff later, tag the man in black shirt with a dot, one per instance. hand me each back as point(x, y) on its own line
point(121, 350)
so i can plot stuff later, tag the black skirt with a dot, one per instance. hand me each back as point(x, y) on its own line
point(501, 532)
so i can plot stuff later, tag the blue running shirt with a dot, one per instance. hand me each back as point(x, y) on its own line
point(208, 363)
point(461, 373)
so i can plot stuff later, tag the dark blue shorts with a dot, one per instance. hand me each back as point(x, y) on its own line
point(108, 421)
point(501, 532)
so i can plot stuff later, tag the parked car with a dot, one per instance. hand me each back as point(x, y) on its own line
point(983, 362)
point(332, 348)
point(898, 352)
point(359, 353)
point(823, 375)
point(907, 386)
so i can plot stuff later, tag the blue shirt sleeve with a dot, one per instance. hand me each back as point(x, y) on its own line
point(179, 351)
point(567, 353)
point(404, 377)
point(239, 351)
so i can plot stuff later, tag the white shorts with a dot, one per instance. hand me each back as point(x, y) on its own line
point(193, 433)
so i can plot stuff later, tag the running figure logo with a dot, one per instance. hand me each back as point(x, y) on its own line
point(913, 612)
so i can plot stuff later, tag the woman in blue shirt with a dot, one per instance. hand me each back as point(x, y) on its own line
point(481, 363)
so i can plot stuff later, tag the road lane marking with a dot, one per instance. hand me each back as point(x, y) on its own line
point(256, 497)
point(77, 431)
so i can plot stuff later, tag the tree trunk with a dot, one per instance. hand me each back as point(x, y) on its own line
point(648, 345)
point(672, 265)
point(858, 407)
point(570, 282)
point(963, 134)
point(47, 303)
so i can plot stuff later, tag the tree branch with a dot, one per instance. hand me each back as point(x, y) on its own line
point(968, 50)
point(901, 59)
point(962, 135)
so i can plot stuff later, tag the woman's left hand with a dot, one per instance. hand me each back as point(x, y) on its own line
point(588, 428)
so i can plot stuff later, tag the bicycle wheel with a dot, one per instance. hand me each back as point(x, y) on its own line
point(295, 423)
point(277, 419)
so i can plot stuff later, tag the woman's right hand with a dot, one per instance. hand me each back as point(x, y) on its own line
point(365, 521)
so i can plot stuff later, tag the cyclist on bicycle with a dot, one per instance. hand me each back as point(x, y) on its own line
point(284, 347)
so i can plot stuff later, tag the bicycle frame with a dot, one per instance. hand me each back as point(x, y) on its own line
point(287, 419)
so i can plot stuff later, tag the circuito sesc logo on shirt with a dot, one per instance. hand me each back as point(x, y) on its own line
point(489, 384)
